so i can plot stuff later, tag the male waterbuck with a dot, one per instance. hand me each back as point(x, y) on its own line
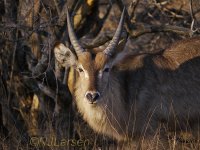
point(129, 96)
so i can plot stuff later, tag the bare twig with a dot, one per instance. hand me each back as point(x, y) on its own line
point(76, 8)
point(164, 9)
point(141, 29)
point(12, 67)
point(63, 13)
point(193, 18)
point(47, 90)
point(133, 7)
point(101, 39)
point(100, 21)
point(57, 8)
point(145, 28)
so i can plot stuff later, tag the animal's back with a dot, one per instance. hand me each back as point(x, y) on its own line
point(170, 93)
point(179, 53)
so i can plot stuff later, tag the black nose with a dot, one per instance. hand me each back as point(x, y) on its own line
point(92, 96)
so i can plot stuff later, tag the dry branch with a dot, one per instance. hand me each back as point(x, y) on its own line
point(132, 8)
point(145, 28)
point(101, 39)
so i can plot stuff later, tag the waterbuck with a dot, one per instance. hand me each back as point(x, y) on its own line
point(129, 96)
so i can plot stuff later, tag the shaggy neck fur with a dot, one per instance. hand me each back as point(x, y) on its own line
point(107, 116)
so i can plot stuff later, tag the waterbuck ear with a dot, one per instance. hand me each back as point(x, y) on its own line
point(64, 56)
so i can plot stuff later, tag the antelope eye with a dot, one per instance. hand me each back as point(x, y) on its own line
point(80, 70)
point(106, 69)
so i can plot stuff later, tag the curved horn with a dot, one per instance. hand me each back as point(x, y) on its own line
point(74, 41)
point(110, 48)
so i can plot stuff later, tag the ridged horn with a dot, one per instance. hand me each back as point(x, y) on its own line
point(113, 43)
point(72, 36)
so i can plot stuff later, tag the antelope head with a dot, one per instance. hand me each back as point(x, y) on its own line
point(93, 70)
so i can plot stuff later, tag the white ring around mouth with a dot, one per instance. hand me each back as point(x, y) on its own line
point(91, 103)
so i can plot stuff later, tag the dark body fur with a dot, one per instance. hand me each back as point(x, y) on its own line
point(146, 94)
point(170, 97)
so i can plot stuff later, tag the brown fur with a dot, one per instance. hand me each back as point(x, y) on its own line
point(130, 62)
point(178, 53)
point(100, 60)
point(140, 91)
